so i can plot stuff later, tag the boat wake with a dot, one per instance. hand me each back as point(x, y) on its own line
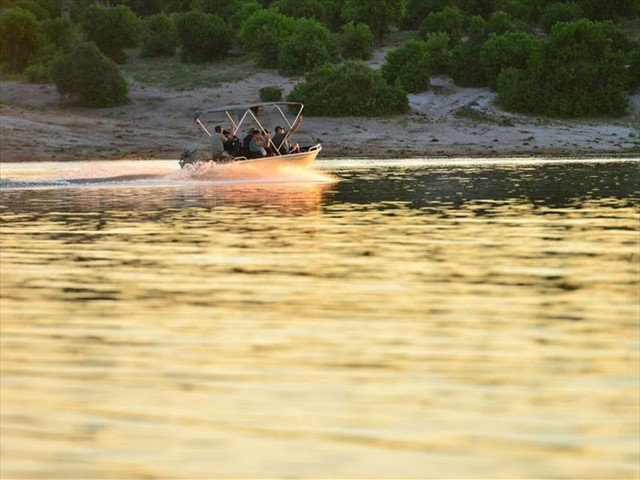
point(160, 173)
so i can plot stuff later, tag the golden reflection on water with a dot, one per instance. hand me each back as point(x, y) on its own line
point(383, 326)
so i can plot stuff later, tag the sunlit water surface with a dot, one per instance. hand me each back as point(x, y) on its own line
point(366, 319)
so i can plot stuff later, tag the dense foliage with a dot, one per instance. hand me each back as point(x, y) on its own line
point(409, 66)
point(560, 12)
point(18, 37)
point(378, 14)
point(302, 8)
point(513, 49)
point(311, 45)
point(350, 88)
point(575, 73)
point(159, 37)
point(263, 33)
point(271, 93)
point(112, 29)
point(202, 37)
point(437, 45)
point(356, 41)
point(89, 75)
point(450, 20)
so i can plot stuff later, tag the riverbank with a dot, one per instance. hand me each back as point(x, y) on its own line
point(36, 124)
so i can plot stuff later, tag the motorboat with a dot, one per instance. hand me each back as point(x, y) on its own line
point(253, 115)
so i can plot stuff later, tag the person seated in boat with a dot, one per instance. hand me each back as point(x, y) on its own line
point(232, 143)
point(217, 144)
point(268, 143)
point(246, 142)
point(280, 139)
point(257, 145)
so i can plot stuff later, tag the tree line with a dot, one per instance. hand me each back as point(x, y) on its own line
point(565, 59)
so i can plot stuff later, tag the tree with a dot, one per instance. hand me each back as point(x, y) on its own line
point(18, 37)
point(88, 74)
point(417, 10)
point(378, 14)
point(451, 20)
point(203, 37)
point(159, 37)
point(357, 41)
point(311, 45)
point(302, 8)
point(437, 45)
point(574, 73)
point(499, 23)
point(112, 29)
point(349, 88)
point(513, 49)
point(264, 32)
point(560, 12)
point(409, 65)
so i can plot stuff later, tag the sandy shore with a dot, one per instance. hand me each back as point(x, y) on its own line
point(36, 124)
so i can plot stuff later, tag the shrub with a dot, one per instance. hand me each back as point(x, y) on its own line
point(621, 42)
point(409, 65)
point(18, 37)
point(499, 23)
point(477, 30)
point(145, 8)
point(311, 45)
point(159, 36)
point(611, 10)
point(357, 41)
point(560, 12)
point(224, 9)
point(302, 8)
point(59, 32)
point(91, 76)
point(264, 32)
point(112, 29)
point(417, 10)
point(271, 94)
point(41, 9)
point(350, 88)
point(437, 45)
point(573, 74)
point(203, 37)
point(512, 49)
point(378, 14)
point(451, 21)
point(477, 7)
point(466, 70)
point(245, 11)
point(519, 9)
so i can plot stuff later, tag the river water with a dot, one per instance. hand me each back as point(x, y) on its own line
point(461, 318)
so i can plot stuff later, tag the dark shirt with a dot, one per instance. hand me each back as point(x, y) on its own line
point(246, 142)
point(278, 139)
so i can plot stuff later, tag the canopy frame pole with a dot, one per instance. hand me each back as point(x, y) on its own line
point(286, 137)
point(233, 124)
point(262, 128)
point(203, 127)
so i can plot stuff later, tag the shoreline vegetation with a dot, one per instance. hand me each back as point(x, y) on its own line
point(477, 80)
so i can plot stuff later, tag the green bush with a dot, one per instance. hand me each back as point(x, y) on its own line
point(159, 37)
point(573, 74)
point(264, 32)
point(409, 65)
point(271, 94)
point(417, 10)
point(450, 20)
point(356, 41)
point(60, 32)
point(41, 9)
point(88, 74)
point(523, 10)
point(302, 9)
point(477, 30)
point(499, 23)
point(560, 12)
point(378, 14)
point(111, 29)
point(145, 8)
point(610, 10)
point(18, 37)
point(466, 69)
point(245, 11)
point(477, 7)
point(512, 49)
point(202, 37)
point(620, 37)
point(311, 45)
point(437, 45)
point(350, 88)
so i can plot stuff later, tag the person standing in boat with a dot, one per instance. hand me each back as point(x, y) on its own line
point(280, 141)
point(217, 144)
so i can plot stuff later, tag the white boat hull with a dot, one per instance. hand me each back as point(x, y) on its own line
point(299, 160)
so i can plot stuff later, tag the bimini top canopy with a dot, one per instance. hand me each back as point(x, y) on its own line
point(249, 106)
point(237, 114)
